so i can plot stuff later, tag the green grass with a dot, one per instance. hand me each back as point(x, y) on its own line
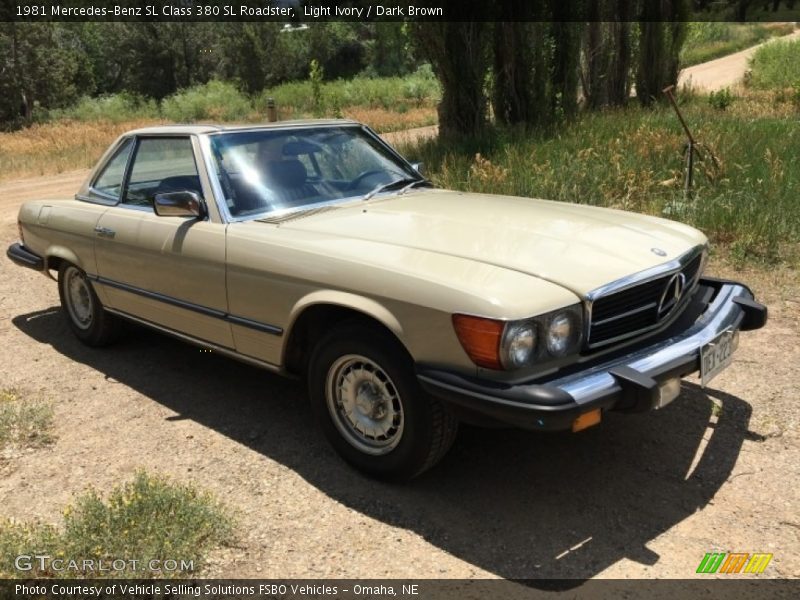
point(223, 101)
point(116, 108)
point(213, 101)
point(392, 93)
point(24, 423)
point(632, 159)
point(712, 39)
point(776, 66)
point(149, 518)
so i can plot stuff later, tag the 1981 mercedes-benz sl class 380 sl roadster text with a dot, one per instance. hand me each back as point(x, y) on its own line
point(314, 249)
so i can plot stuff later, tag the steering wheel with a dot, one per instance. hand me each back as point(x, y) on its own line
point(363, 175)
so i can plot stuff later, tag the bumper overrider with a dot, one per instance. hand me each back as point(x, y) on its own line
point(23, 257)
point(630, 380)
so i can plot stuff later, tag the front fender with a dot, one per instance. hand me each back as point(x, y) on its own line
point(362, 304)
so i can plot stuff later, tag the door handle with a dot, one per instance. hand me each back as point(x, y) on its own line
point(105, 232)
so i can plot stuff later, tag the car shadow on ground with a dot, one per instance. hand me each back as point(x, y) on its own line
point(517, 504)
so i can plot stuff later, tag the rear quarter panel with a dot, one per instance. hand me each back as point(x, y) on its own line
point(63, 229)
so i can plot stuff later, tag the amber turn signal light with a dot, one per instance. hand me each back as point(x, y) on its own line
point(587, 419)
point(480, 338)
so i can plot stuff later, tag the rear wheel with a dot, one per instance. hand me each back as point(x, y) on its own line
point(83, 310)
point(371, 408)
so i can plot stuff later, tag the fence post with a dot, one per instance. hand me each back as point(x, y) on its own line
point(272, 112)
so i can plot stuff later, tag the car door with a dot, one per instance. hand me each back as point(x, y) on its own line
point(166, 270)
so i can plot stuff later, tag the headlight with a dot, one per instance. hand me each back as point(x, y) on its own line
point(519, 343)
point(560, 333)
point(510, 345)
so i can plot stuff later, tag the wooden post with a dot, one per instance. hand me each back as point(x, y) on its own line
point(272, 112)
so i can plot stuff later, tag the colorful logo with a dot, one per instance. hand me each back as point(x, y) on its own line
point(734, 562)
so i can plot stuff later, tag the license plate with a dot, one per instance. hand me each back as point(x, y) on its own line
point(716, 356)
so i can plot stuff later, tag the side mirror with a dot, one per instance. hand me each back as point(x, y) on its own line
point(178, 204)
point(419, 167)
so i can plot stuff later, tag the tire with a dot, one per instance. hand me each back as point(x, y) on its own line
point(83, 310)
point(371, 408)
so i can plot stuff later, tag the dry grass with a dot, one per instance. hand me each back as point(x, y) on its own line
point(383, 120)
point(24, 423)
point(52, 148)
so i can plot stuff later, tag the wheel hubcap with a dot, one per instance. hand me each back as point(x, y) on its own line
point(79, 299)
point(364, 404)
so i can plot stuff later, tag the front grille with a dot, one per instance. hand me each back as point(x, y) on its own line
point(623, 314)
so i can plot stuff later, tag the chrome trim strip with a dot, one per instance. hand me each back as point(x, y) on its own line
point(213, 177)
point(312, 124)
point(108, 199)
point(723, 313)
point(94, 200)
point(224, 350)
point(634, 311)
point(643, 276)
point(203, 310)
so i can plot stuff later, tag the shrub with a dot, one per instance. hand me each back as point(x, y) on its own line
point(315, 76)
point(115, 107)
point(149, 518)
point(390, 93)
point(213, 101)
point(24, 422)
point(776, 65)
point(721, 99)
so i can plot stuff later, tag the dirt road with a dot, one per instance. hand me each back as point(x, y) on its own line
point(726, 71)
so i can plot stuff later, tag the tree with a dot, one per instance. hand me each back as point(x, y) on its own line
point(459, 57)
point(607, 53)
point(389, 49)
point(39, 66)
point(662, 30)
point(535, 69)
point(566, 58)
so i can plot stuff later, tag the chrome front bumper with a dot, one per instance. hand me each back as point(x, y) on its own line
point(629, 380)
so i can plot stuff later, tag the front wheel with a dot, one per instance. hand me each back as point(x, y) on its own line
point(371, 408)
point(85, 314)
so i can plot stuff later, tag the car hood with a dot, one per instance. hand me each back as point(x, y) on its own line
point(576, 246)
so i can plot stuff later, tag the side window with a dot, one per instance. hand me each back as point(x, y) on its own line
point(108, 183)
point(161, 165)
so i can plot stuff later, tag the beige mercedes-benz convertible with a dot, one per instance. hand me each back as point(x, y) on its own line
point(315, 250)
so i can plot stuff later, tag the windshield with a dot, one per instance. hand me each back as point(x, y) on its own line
point(292, 169)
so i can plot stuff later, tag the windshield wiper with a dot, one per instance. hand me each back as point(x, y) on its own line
point(410, 181)
point(414, 183)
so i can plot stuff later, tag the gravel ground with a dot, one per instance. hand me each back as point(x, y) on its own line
point(638, 496)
